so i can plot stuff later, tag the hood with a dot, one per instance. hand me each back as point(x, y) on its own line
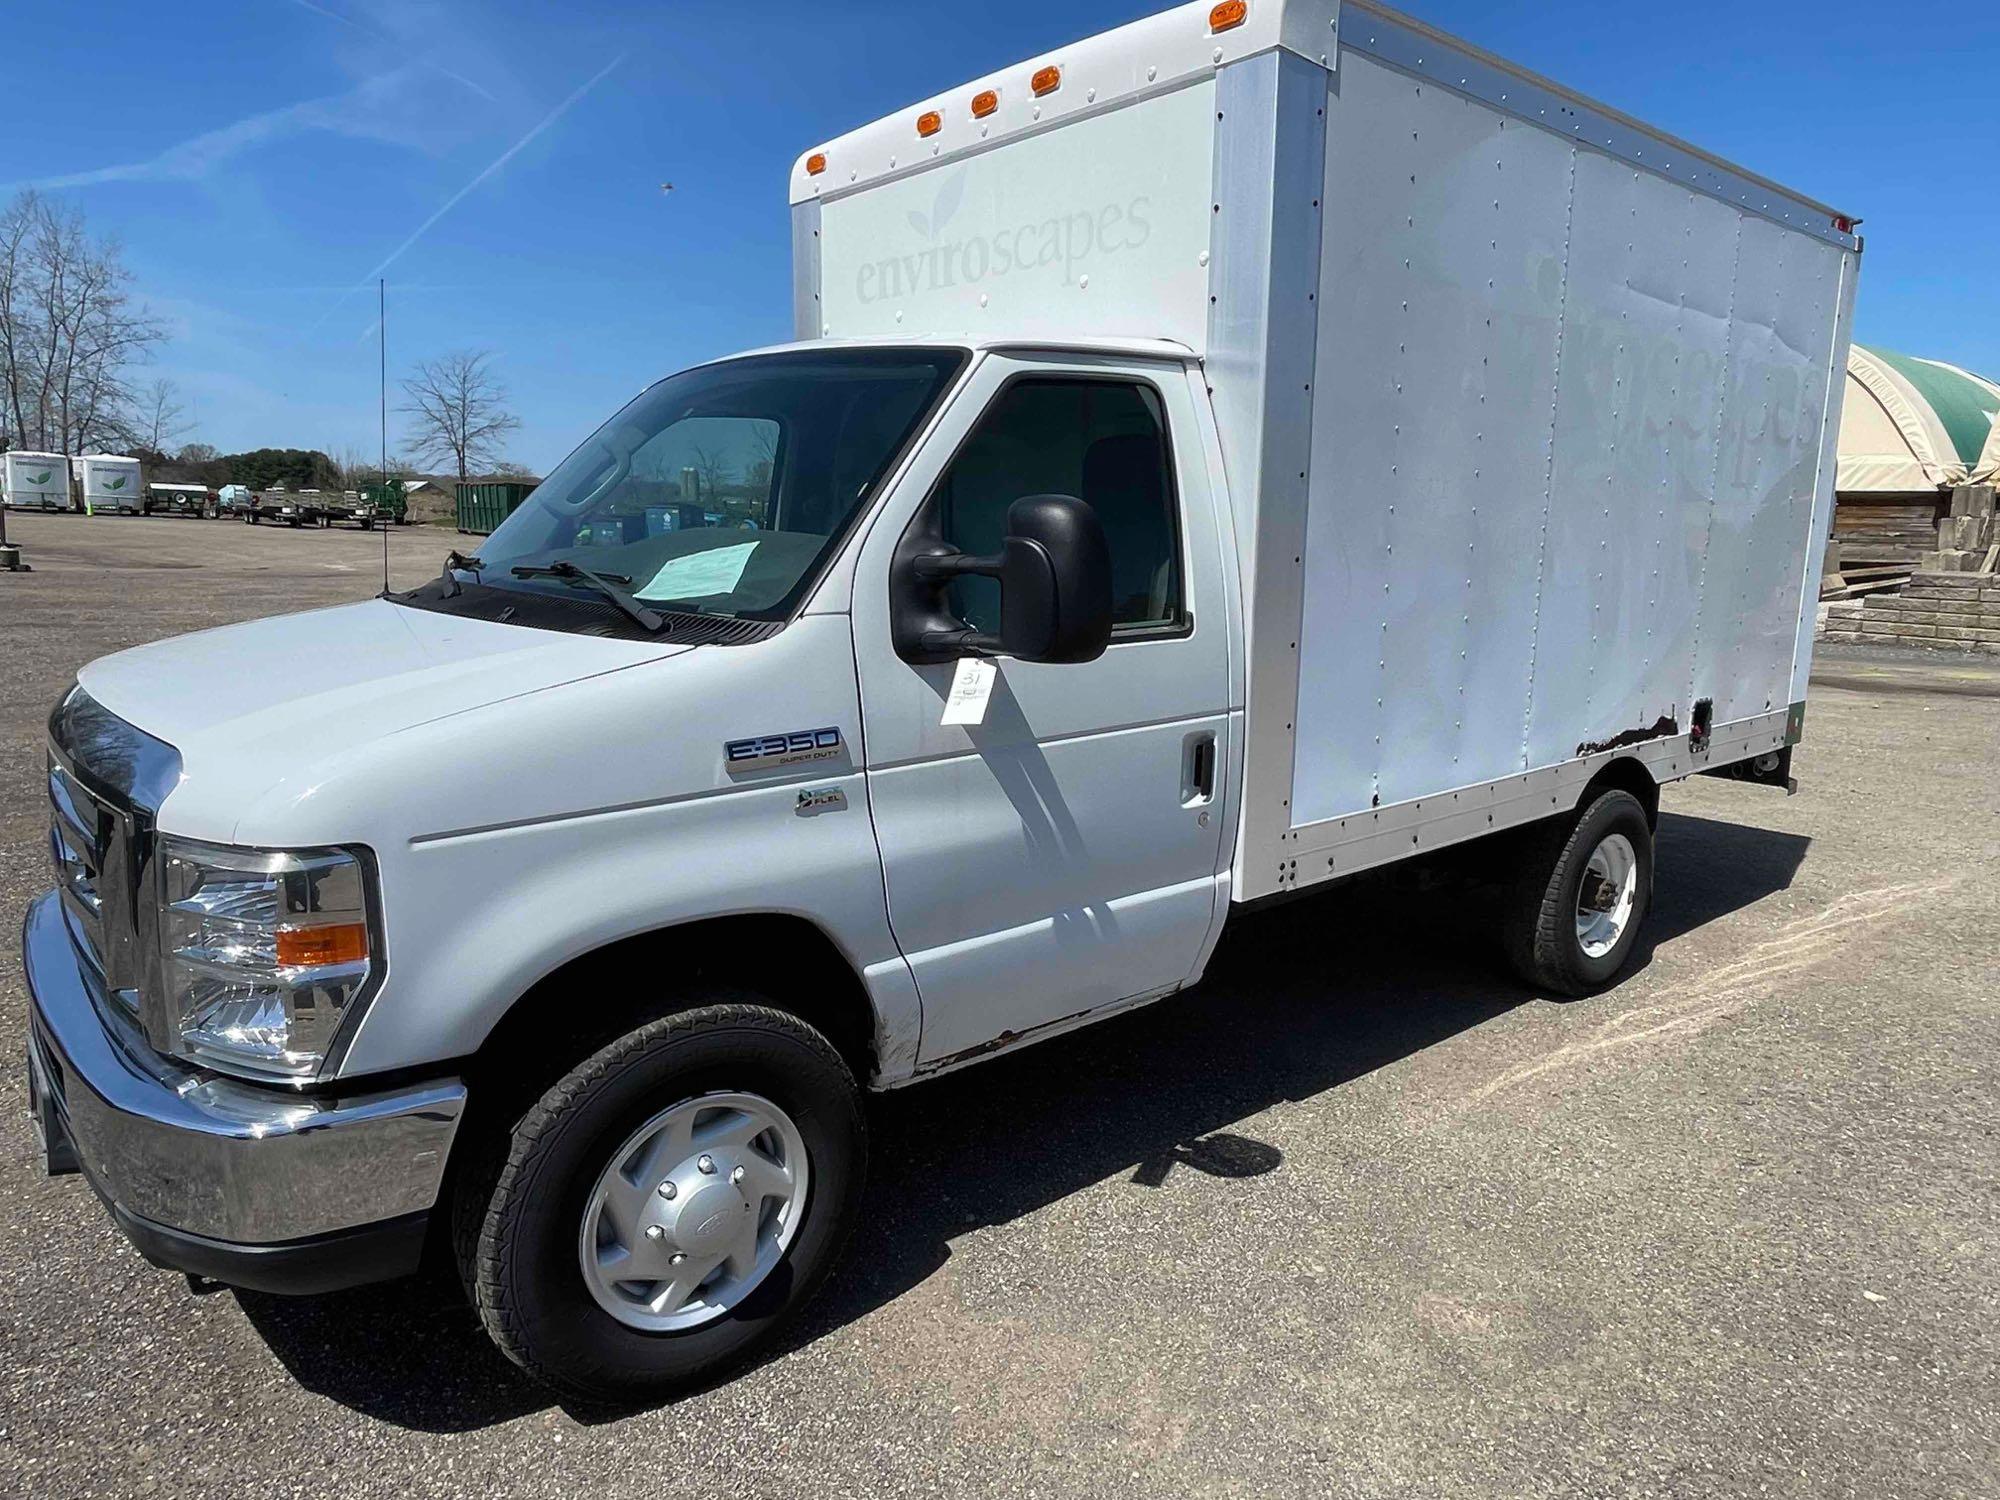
point(286, 698)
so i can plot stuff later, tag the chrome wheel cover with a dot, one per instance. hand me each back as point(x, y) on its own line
point(694, 1211)
point(1604, 899)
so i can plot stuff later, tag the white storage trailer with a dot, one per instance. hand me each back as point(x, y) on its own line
point(110, 482)
point(37, 481)
point(1527, 409)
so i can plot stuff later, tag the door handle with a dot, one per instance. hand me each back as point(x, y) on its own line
point(1198, 774)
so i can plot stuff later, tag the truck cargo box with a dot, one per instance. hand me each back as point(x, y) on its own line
point(1527, 409)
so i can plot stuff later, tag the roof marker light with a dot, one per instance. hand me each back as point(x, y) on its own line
point(1046, 80)
point(929, 123)
point(984, 103)
point(815, 164)
point(1227, 15)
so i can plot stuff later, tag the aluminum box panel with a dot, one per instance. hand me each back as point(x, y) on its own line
point(1568, 422)
point(1441, 292)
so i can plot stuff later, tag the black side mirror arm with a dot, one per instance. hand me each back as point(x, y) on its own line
point(938, 569)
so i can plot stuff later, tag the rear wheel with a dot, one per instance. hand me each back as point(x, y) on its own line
point(668, 1205)
point(1580, 895)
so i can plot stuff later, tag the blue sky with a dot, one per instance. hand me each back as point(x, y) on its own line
point(261, 159)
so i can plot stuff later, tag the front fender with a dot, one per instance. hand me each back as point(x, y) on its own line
point(518, 837)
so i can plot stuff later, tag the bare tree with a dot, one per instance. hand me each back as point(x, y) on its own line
point(68, 330)
point(763, 459)
point(458, 411)
point(157, 417)
point(355, 467)
point(711, 468)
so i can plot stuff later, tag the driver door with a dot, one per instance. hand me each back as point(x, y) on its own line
point(1062, 856)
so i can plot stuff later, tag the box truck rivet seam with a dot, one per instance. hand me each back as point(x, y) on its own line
point(847, 712)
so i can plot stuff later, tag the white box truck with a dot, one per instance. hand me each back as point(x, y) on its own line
point(108, 483)
point(1255, 445)
point(35, 481)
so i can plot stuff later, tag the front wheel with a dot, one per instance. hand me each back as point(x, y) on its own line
point(668, 1205)
point(1580, 895)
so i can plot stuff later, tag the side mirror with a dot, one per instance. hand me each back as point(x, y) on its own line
point(1054, 572)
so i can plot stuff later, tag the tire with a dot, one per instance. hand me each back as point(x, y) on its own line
point(530, 1190)
point(1542, 934)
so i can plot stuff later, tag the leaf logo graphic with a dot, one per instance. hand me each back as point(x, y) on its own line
point(116, 484)
point(950, 193)
point(41, 478)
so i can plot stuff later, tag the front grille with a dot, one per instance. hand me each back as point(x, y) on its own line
point(90, 841)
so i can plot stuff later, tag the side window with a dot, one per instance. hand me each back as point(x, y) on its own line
point(1103, 441)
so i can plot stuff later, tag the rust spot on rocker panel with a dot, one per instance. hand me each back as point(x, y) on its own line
point(1661, 728)
point(1004, 1040)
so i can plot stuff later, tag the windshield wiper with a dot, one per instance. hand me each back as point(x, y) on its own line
point(610, 585)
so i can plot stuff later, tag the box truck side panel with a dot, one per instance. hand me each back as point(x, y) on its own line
point(1096, 228)
point(1782, 332)
point(1568, 426)
point(1437, 358)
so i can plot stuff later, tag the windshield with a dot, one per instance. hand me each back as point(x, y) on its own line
point(722, 490)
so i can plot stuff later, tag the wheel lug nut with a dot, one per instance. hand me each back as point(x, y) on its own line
point(669, 1189)
point(655, 1232)
point(676, 1258)
point(705, 1164)
point(737, 1175)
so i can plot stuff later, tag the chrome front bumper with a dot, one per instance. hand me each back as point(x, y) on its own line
point(193, 1157)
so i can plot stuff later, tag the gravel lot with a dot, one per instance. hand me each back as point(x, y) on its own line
point(1357, 1217)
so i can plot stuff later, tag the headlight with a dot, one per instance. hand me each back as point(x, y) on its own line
point(264, 954)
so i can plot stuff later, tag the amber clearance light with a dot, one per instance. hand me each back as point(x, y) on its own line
point(930, 122)
point(1046, 80)
point(1227, 15)
point(815, 164)
point(984, 103)
point(310, 947)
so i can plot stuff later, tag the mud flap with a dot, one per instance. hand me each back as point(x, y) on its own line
point(1772, 768)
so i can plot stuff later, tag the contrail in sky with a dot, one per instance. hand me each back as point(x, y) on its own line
point(453, 201)
point(383, 36)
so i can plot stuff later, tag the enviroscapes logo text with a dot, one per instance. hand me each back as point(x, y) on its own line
point(1071, 242)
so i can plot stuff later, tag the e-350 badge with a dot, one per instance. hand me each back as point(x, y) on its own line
point(797, 747)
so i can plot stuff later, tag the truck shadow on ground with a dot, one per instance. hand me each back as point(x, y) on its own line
point(1301, 998)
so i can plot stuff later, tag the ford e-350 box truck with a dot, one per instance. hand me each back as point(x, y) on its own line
point(1249, 447)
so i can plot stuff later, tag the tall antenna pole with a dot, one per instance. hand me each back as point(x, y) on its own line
point(382, 344)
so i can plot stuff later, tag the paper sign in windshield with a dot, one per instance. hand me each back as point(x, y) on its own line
point(699, 574)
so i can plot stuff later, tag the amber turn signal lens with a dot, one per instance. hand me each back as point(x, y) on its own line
point(1226, 15)
point(930, 122)
point(815, 164)
point(1046, 81)
point(309, 947)
point(984, 103)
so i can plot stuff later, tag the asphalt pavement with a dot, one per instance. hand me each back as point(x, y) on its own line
point(1358, 1216)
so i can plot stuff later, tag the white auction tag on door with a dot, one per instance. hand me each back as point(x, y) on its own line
point(971, 686)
